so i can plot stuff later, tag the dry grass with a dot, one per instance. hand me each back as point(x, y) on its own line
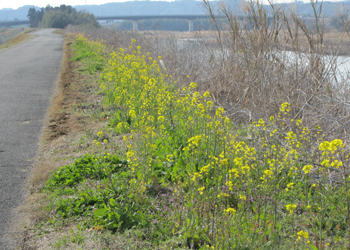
point(59, 32)
point(248, 66)
point(332, 39)
point(24, 36)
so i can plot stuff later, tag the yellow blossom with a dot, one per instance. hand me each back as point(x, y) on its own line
point(230, 210)
point(303, 234)
point(291, 208)
point(307, 169)
point(161, 118)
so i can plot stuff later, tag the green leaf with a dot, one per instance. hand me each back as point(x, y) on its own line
point(113, 226)
point(118, 115)
point(329, 91)
point(113, 202)
point(313, 247)
point(100, 212)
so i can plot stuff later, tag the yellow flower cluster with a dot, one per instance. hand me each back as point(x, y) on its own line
point(331, 146)
point(183, 138)
point(307, 169)
point(285, 107)
point(331, 151)
point(302, 234)
point(230, 210)
point(291, 208)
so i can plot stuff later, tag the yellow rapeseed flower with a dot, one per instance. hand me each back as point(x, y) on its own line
point(291, 208)
point(161, 118)
point(193, 85)
point(303, 234)
point(307, 169)
point(230, 210)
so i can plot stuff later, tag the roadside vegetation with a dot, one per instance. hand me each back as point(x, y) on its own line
point(237, 142)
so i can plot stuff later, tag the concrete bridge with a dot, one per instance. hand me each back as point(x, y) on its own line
point(136, 19)
point(13, 23)
point(133, 19)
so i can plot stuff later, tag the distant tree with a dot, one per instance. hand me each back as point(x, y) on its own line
point(60, 17)
point(33, 17)
point(40, 14)
point(340, 20)
point(48, 7)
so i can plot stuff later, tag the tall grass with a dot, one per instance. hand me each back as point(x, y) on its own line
point(249, 69)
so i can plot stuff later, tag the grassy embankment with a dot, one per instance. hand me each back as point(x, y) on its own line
point(14, 37)
point(166, 169)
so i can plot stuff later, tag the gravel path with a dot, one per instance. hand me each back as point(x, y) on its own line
point(28, 76)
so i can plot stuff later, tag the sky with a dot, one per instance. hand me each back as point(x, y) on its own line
point(14, 4)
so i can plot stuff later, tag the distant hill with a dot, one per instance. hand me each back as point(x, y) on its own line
point(164, 8)
point(11, 14)
point(328, 8)
point(120, 8)
point(144, 8)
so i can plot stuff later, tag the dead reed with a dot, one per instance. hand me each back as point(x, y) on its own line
point(255, 61)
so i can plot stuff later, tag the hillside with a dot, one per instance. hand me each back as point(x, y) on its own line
point(123, 8)
point(11, 14)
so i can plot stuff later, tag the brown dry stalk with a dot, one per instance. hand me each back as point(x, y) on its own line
point(253, 62)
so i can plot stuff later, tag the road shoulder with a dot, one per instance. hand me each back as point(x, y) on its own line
point(60, 144)
point(32, 211)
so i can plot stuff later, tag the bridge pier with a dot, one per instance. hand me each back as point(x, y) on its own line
point(135, 26)
point(190, 24)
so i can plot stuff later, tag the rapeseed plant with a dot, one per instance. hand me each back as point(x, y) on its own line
point(232, 191)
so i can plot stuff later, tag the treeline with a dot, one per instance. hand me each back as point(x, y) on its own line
point(165, 24)
point(60, 17)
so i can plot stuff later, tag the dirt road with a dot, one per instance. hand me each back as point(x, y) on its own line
point(28, 76)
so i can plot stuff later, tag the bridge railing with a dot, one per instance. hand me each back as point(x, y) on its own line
point(13, 23)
